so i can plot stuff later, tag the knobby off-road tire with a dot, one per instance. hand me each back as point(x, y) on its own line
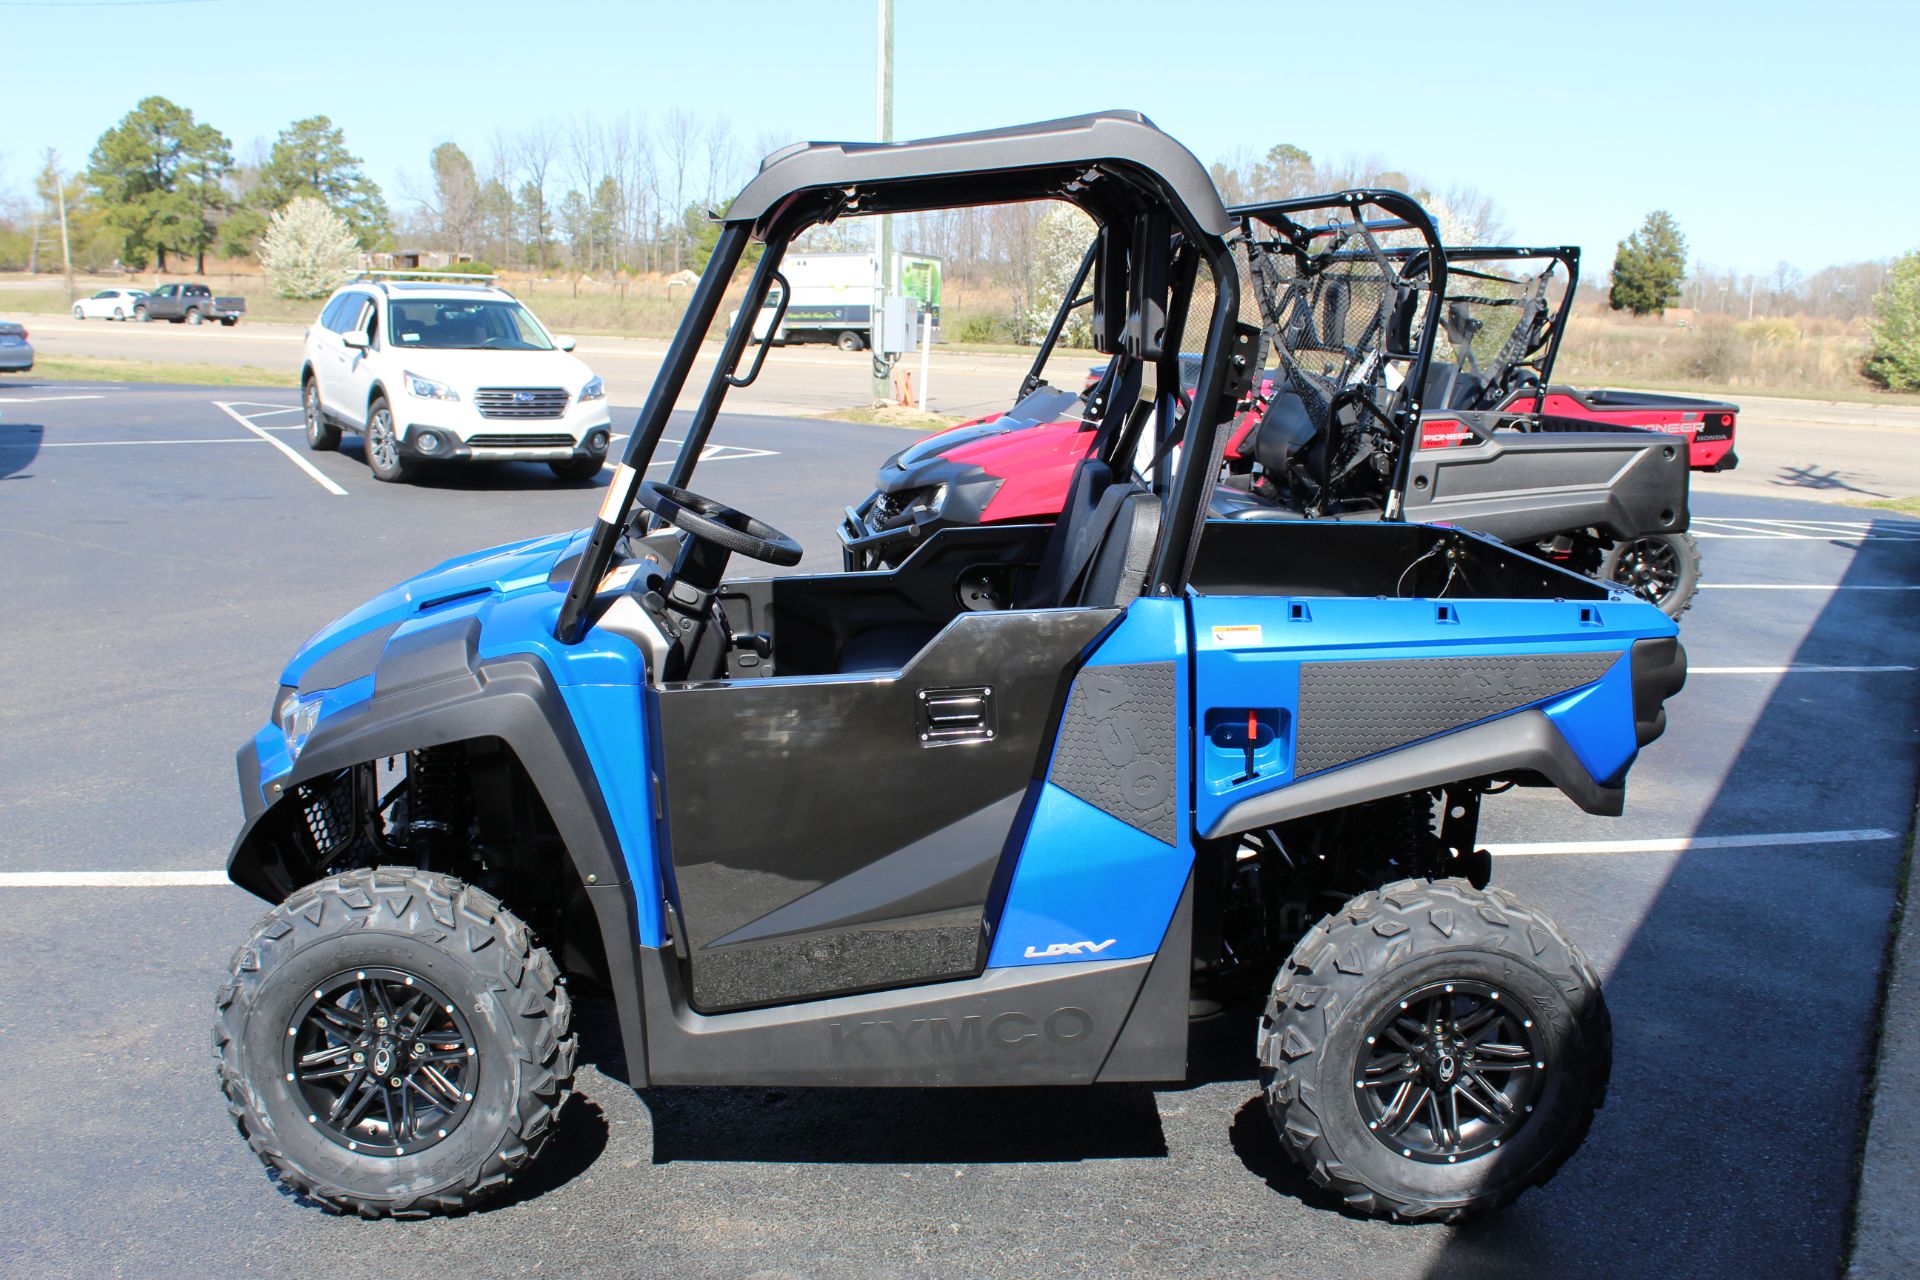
point(1346, 980)
point(1662, 568)
point(420, 928)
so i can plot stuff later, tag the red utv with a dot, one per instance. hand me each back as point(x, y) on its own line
point(1346, 316)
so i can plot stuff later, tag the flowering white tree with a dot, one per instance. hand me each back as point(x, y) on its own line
point(308, 249)
point(1059, 243)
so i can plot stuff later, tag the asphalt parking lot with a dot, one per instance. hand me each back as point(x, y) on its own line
point(164, 556)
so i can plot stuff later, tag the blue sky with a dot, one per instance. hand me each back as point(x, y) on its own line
point(1748, 121)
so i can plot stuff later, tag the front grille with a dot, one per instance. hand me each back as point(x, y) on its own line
point(520, 402)
point(501, 440)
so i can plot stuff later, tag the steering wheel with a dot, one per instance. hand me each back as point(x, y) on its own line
point(718, 523)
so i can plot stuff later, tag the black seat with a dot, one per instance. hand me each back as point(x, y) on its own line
point(1097, 557)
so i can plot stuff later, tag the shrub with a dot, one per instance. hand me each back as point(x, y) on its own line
point(1773, 331)
point(308, 249)
point(1893, 360)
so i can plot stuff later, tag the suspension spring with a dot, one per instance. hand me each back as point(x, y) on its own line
point(436, 805)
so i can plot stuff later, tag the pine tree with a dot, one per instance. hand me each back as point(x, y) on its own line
point(1649, 267)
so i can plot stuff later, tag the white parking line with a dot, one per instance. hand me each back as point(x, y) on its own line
point(110, 879)
point(115, 444)
point(1683, 844)
point(1795, 668)
point(298, 461)
point(44, 399)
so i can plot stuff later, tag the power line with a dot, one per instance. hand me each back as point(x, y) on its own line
point(93, 4)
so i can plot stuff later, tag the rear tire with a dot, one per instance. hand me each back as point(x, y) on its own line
point(585, 467)
point(387, 947)
point(229, 321)
point(1661, 568)
point(384, 458)
point(322, 436)
point(850, 341)
point(140, 314)
point(1336, 1052)
point(78, 314)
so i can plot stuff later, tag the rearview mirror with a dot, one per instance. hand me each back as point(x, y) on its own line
point(358, 341)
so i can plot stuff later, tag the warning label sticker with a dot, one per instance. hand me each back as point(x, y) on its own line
point(1245, 635)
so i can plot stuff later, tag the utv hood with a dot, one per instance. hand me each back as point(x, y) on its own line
point(498, 571)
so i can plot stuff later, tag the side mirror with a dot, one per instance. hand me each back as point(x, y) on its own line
point(356, 340)
point(565, 344)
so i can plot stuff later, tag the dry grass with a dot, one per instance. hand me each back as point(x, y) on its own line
point(894, 415)
point(92, 369)
point(1906, 506)
point(1774, 356)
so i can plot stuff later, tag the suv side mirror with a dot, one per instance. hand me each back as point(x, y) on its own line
point(356, 340)
point(565, 344)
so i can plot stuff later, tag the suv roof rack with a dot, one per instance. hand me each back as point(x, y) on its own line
point(461, 276)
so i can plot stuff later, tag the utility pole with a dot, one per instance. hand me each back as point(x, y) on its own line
point(66, 249)
point(883, 280)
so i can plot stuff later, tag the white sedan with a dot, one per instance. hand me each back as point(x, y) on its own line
point(108, 304)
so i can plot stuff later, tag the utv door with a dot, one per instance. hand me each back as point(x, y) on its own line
point(835, 833)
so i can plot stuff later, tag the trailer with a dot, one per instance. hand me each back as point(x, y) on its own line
point(832, 298)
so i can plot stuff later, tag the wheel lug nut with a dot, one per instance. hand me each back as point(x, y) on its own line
point(359, 1057)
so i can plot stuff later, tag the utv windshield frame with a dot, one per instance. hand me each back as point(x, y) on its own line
point(1138, 185)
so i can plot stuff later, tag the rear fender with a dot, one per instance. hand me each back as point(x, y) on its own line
point(1525, 486)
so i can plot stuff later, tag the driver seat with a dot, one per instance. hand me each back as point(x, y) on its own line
point(1097, 557)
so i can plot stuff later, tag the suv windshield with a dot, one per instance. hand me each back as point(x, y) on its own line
point(465, 324)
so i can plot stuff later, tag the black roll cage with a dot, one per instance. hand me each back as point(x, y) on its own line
point(1291, 219)
point(1566, 255)
point(1137, 183)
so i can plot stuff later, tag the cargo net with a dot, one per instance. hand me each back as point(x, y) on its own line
point(1496, 329)
point(1337, 306)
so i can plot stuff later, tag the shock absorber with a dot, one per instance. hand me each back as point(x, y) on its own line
point(436, 805)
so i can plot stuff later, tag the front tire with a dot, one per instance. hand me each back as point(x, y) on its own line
point(78, 314)
point(322, 436)
point(1434, 1050)
point(384, 458)
point(193, 315)
point(850, 341)
point(427, 978)
point(140, 314)
point(580, 467)
point(1661, 568)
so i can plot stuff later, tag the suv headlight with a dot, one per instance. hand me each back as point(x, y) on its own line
point(594, 390)
point(427, 388)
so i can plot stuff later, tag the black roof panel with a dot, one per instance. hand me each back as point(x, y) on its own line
point(1088, 159)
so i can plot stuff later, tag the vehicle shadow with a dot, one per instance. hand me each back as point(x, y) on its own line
point(1744, 993)
point(19, 446)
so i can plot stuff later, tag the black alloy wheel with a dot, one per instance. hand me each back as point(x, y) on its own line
point(1661, 568)
point(1450, 1072)
point(384, 1061)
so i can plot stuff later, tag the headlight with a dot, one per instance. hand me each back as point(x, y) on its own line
point(594, 390)
point(296, 717)
point(427, 388)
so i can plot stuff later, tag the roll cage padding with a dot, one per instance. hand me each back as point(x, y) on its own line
point(432, 688)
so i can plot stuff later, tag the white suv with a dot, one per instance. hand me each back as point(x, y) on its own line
point(431, 371)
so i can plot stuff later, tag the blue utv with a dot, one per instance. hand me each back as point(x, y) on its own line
point(1008, 813)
